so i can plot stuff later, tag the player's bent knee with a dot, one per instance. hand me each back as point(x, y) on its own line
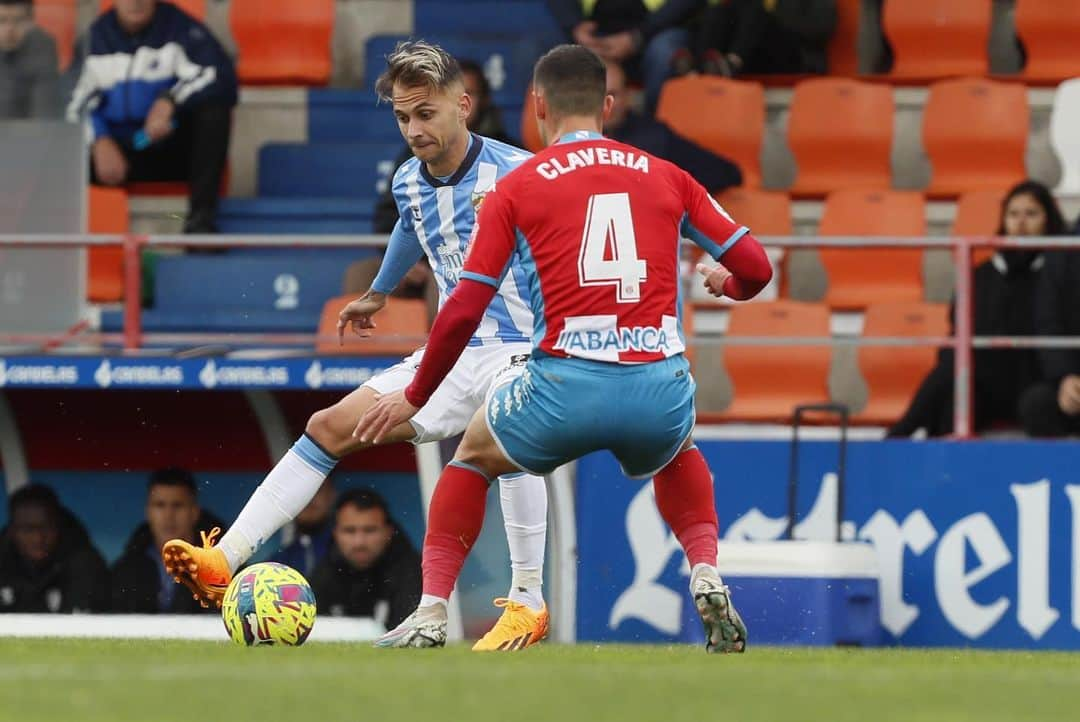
point(327, 430)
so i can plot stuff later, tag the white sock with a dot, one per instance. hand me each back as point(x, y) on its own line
point(524, 506)
point(430, 600)
point(285, 491)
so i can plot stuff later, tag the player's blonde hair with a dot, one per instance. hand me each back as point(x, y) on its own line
point(417, 63)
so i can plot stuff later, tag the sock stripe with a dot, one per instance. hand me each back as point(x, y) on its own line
point(470, 467)
point(314, 455)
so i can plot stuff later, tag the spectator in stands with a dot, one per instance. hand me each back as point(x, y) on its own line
point(47, 562)
point(314, 532)
point(738, 37)
point(484, 119)
point(372, 570)
point(1003, 304)
point(29, 70)
point(166, 117)
point(645, 36)
point(1051, 408)
point(140, 584)
point(646, 132)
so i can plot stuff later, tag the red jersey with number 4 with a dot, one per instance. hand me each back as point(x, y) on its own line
point(597, 225)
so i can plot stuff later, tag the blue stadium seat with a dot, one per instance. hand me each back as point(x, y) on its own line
point(349, 116)
point(434, 19)
point(276, 216)
point(507, 60)
point(330, 170)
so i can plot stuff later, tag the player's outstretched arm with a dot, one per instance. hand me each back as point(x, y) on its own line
point(745, 271)
point(402, 252)
point(358, 314)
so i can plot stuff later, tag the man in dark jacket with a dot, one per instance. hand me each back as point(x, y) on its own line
point(1052, 408)
point(646, 132)
point(159, 90)
point(314, 532)
point(47, 563)
point(372, 570)
point(140, 584)
point(29, 74)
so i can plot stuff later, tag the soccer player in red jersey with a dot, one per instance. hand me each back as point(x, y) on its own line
point(596, 225)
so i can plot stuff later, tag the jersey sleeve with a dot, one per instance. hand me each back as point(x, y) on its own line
point(492, 246)
point(706, 223)
point(402, 253)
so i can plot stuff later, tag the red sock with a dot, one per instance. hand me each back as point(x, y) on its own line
point(454, 522)
point(684, 495)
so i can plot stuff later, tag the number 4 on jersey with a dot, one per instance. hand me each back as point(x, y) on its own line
point(609, 225)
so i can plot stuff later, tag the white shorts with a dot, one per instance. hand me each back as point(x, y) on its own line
point(464, 390)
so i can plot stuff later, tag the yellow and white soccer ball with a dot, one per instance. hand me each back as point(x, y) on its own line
point(269, 603)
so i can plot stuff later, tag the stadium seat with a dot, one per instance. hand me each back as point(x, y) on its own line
point(765, 213)
point(769, 381)
point(975, 132)
point(938, 38)
point(402, 328)
point(331, 170)
point(725, 116)
point(194, 8)
point(530, 133)
point(1064, 120)
point(893, 373)
point(1048, 31)
point(59, 18)
point(843, 46)
point(840, 132)
point(860, 277)
point(350, 116)
point(978, 213)
point(283, 42)
point(275, 216)
point(523, 18)
point(105, 264)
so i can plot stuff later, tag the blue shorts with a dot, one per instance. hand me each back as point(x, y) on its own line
point(561, 409)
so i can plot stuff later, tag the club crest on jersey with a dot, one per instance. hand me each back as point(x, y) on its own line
point(477, 199)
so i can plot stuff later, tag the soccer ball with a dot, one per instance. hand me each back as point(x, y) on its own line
point(269, 603)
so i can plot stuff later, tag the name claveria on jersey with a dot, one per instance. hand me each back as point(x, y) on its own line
point(587, 157)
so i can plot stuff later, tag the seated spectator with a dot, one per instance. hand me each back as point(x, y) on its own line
point(314, 532)
point(1052, 408)
point(626, 125)
point(166, 117)
point(1003, 304)
point(29, 69)
point(47, 562)
point(372, 570)
point(484, 119)
point(643, 35)
point(140, 584)
point(738, 37)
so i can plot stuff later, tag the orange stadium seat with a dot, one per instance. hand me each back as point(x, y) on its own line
point(841, 133)
point(765, 213)
point(769, 381)
point(58, 18)
point(843, 46)
point(978, 213)
point(402, 327)
point(283, 41)
point(975, 132)
point(194, 8)
point(105, 266)
point(938, 38)
point(725, 116)
point(530, 134)
point(1049, 31)
point(893, 373)
point(860, 277)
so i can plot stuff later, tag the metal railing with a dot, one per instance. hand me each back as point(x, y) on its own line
point(963, 341)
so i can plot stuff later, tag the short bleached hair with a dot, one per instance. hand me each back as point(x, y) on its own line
point(417, 63)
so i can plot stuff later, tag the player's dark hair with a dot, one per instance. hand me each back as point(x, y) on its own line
point(35, 495)
point(468, 65)
point(28, 3)
point(416, 63)
point(572, 79)
point(1055, 221)
point(173, 476)
point(362, 499)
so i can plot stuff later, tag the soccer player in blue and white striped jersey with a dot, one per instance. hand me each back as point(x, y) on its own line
point(437, 193)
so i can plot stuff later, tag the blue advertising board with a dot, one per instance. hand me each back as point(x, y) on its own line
point(978, 543)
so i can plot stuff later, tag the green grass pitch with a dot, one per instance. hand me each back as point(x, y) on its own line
point(148, 681)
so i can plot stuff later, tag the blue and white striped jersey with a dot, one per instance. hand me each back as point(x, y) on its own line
point(437, 217)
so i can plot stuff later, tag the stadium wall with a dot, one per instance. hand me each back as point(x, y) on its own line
point(978, 543)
